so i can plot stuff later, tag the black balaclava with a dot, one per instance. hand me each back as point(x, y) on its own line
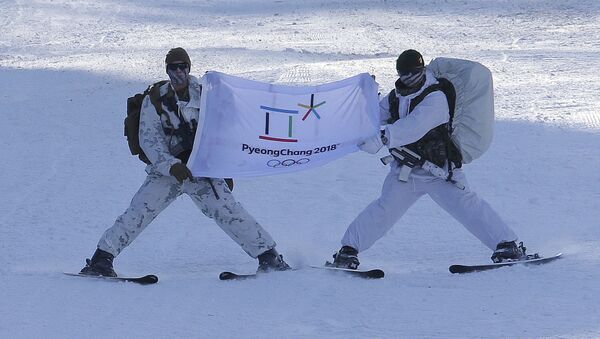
point(411, 72)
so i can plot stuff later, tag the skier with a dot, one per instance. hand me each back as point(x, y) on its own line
point(420, 126)
point(169, 118)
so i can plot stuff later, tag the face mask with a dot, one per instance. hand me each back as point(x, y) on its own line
point(412, 78)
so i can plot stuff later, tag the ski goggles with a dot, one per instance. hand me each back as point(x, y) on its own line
point(182, 66)
point(412, 77)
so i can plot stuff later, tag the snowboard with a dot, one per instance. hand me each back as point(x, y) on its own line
point(145, 280)
point(535, 260)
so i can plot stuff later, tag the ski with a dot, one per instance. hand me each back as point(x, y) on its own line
point(535, 260)
point(145, 280)
point(367, 274)
point(235, 276)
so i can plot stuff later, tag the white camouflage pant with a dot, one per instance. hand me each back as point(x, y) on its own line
point(474, 213)
point(158, 191)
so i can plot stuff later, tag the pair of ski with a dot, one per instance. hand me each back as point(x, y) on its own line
point(152, 279)
point(377, 273)
point(368, 274)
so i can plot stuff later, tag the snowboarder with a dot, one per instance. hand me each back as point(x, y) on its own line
point(418, 132)
point(168, 121)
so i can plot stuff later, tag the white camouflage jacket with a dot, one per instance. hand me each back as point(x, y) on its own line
point(430, 113)
point(154, 142)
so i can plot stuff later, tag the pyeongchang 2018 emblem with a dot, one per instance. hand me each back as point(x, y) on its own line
point(281, 135)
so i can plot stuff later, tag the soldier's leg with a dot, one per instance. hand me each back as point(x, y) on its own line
point(155, 194)
point(379, 216)
point(474, 213)
point(217, 202)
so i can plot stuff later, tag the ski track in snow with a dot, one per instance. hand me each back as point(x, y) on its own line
point(67, 67)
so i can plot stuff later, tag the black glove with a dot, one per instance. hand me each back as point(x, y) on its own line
point(180, 172)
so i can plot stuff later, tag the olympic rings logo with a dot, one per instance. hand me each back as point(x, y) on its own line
point(287, 162)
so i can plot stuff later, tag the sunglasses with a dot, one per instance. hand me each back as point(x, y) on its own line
point(182, 66)
point(411, 72)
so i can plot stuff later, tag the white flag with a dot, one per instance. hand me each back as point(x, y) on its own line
point(252, 128)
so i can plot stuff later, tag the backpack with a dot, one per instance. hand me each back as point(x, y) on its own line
point(472, 124)
point(132, 120)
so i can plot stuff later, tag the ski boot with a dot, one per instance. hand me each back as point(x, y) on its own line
point(346, 257)
point(101, 264)
point(509, 251)
point(271, 261)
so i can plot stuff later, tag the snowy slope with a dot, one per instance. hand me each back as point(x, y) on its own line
point(67, 67)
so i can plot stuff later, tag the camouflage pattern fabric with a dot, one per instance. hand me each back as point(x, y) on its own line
point(159, 191)
point(161, 149)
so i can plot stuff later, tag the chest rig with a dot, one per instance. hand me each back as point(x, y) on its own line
point(180, 133)
point(436, 147)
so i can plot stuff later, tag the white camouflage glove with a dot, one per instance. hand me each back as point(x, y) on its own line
point(372, 145)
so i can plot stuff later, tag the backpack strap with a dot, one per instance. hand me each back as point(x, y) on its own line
point(447, 87)
point(393, 103)
point(452, 151)
point(443, 85)
point(419, 98)
point(155, 98)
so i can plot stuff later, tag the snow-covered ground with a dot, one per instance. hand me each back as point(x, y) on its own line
point(67, 67)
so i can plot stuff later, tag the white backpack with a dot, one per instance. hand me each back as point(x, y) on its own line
point(473, 123)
